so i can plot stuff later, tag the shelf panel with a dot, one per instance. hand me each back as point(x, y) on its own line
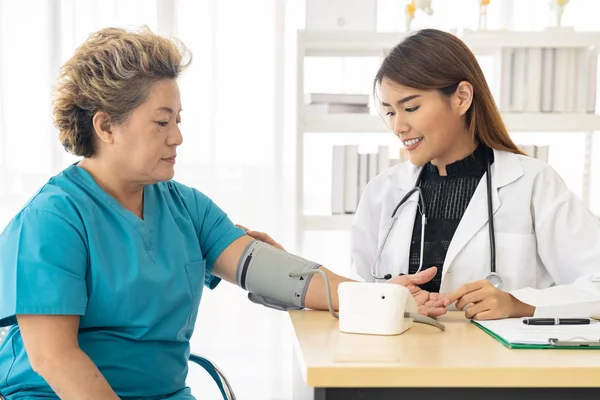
point(551, 122)
point(515, 122)
point(350, 44)
point(327, 222)
point(548, 38)
point(356, 44)
point(328, 123)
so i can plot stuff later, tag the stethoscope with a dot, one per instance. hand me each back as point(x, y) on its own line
point(492, 276)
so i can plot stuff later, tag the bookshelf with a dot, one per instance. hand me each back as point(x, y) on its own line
point(356, 44)
point(369, 44)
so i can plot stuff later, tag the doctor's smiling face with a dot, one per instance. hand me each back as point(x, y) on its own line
point(430, 123)
point(437, 100)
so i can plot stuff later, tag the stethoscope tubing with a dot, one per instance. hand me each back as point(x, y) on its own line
point(421, 203)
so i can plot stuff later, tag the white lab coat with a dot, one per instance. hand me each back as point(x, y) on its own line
point(545, 236)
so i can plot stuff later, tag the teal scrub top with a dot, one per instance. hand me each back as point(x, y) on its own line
point(74, 250)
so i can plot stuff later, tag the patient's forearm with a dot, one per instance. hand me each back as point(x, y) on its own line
point(316, 297)
point(73, 375)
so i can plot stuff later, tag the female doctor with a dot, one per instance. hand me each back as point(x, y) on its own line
point(500, 244)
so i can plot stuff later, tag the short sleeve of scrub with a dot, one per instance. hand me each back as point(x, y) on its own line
point(44, 259)
point(215, 232)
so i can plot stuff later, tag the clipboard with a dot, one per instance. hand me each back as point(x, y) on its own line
point(513, 334)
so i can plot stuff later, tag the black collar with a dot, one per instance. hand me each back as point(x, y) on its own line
point(474, 164)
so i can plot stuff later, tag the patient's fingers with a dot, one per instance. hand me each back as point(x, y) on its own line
point(436, 311)
point(421, 297)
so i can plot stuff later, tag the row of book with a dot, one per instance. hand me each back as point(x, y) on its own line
point(539, 152)
point(353, 170)
point(560, 80)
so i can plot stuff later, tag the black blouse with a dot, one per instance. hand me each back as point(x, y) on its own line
point(446, 199)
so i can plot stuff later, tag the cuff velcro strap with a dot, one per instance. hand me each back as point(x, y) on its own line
point(264, 271)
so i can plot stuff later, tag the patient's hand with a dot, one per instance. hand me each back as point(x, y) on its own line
point(431, 304)
point(262, 237)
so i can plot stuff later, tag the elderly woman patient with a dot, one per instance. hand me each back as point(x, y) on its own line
point(102, 271)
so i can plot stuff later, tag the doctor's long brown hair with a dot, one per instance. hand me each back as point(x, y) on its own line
point(434, 60)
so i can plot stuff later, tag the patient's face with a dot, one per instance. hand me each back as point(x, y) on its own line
point(145, 145)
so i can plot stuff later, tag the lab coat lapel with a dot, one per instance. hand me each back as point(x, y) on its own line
point(505, 170)
point(397, 251)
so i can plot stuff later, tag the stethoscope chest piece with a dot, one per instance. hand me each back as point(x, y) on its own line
point(495, 280)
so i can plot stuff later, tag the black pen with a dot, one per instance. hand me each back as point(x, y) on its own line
point(557, 321)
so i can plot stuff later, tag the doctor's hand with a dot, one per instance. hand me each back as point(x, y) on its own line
point(487, 302)
point(430, 304)
point(261, 237)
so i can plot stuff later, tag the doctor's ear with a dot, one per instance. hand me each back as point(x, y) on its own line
point(463, 97)
point(102, 126)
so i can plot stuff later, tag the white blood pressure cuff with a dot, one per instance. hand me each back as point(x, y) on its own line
point(264, 272)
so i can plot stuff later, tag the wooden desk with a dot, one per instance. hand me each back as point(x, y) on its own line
point(461, 363)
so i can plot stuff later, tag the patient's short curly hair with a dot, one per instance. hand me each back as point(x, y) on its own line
point(112, 71)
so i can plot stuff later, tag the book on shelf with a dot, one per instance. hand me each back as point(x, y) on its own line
point(337, 180)
point(517, 87)
point(560, 82)
point(363, 173)
point(542, 153)
point(350, 179)
point(352, 171)
point(592, 79)
point(583, 79)
point(547, 80)
point(533, 75)
point(505, 81)
point(539, 152)
point(557, 80)
point(373, 166)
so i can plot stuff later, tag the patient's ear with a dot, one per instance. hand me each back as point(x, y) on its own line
point(102, 126)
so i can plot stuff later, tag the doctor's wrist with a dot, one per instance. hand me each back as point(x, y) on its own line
point(520, 309)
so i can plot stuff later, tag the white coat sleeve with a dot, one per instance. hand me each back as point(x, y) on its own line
point(363, 236)
point(568, 242)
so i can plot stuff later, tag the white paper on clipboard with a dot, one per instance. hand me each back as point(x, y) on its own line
point(514, 331)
